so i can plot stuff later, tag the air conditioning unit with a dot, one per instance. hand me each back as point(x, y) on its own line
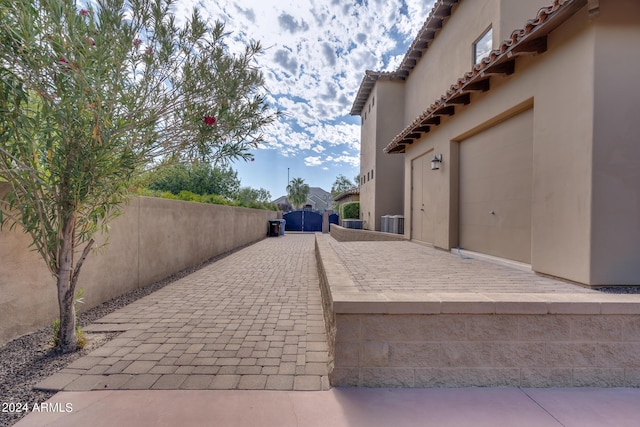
point(396, 224)
point(384, 226)
point(355, 224)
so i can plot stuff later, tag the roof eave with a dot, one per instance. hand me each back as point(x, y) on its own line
point(440, 11)
point(529, 40)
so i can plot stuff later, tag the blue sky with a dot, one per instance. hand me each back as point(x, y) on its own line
point(316, 53)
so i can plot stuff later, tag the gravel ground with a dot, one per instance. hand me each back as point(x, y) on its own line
point(27, 360)
point(620, 289)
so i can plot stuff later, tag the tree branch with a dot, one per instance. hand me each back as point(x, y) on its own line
point(76, 270)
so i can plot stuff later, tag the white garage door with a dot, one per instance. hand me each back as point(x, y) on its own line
point(495, 189)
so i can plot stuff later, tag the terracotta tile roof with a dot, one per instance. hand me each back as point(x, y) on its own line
point(368, 81)
point(347, 193)
point(529, 40)
point(441, 9)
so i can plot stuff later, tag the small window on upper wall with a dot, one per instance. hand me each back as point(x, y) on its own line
point(483, 46)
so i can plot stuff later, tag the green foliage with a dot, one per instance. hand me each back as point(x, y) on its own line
point(214, 199)
point(198, 178)
point(55, 335)
point(248, 194)
point(204, 183)
point(341, 184)
point(350, 210)
point(90, 97)
point(298, 192)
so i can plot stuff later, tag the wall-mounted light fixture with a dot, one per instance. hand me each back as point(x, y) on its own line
point(436, 161)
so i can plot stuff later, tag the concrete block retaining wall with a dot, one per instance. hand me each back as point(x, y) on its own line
point(153, 239)
point(342, 234)
point(462, 350)
point(387, 339)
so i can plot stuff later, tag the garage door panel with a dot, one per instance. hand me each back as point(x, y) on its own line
point(509, 215)
point(495, 189)
point(501, 186)
point(509, 243)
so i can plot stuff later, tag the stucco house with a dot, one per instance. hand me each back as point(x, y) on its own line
point(350, 195)
point(514, 122)
point(318, 200)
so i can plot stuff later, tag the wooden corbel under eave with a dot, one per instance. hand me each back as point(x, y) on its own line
point(594, 8)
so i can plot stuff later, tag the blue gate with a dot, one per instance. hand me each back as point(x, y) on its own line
point(334, 219)
point(303, 221)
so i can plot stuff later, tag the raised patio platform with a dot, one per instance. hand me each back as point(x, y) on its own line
point(400, 314)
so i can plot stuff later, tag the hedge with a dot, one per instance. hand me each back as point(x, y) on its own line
point(350, 210)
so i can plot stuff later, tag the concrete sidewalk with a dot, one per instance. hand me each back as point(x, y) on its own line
point(338, 407)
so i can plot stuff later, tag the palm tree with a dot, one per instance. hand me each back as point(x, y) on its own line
point(298, 192)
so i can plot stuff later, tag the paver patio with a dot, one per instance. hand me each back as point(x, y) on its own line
point(411, 267)
point(251, 321)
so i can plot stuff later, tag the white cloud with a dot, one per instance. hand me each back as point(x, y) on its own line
point(316, 53)
point(313, 161)
point(350, 160)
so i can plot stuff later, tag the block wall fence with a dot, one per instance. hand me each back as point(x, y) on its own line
point(153, 239)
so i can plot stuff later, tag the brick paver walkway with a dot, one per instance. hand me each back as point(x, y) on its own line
point(411, 267)
point(252, 320)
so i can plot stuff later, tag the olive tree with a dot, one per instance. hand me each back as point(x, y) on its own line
point(341, 184)
point(90, 96)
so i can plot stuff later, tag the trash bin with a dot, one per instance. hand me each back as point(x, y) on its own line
point(274, 228)
point(283, 223)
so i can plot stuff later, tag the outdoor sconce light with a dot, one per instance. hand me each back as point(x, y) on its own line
point(436, 161)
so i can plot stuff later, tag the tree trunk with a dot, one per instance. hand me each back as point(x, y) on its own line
point(68, 340)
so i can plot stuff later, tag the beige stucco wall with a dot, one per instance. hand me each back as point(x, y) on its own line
point(368, 155)
point(382, 194)
point(585, 203)
point(513, 15)
point(449, 56)
point(563, 113)
point(615, 221)
point(389, 170)
point(153, 239)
